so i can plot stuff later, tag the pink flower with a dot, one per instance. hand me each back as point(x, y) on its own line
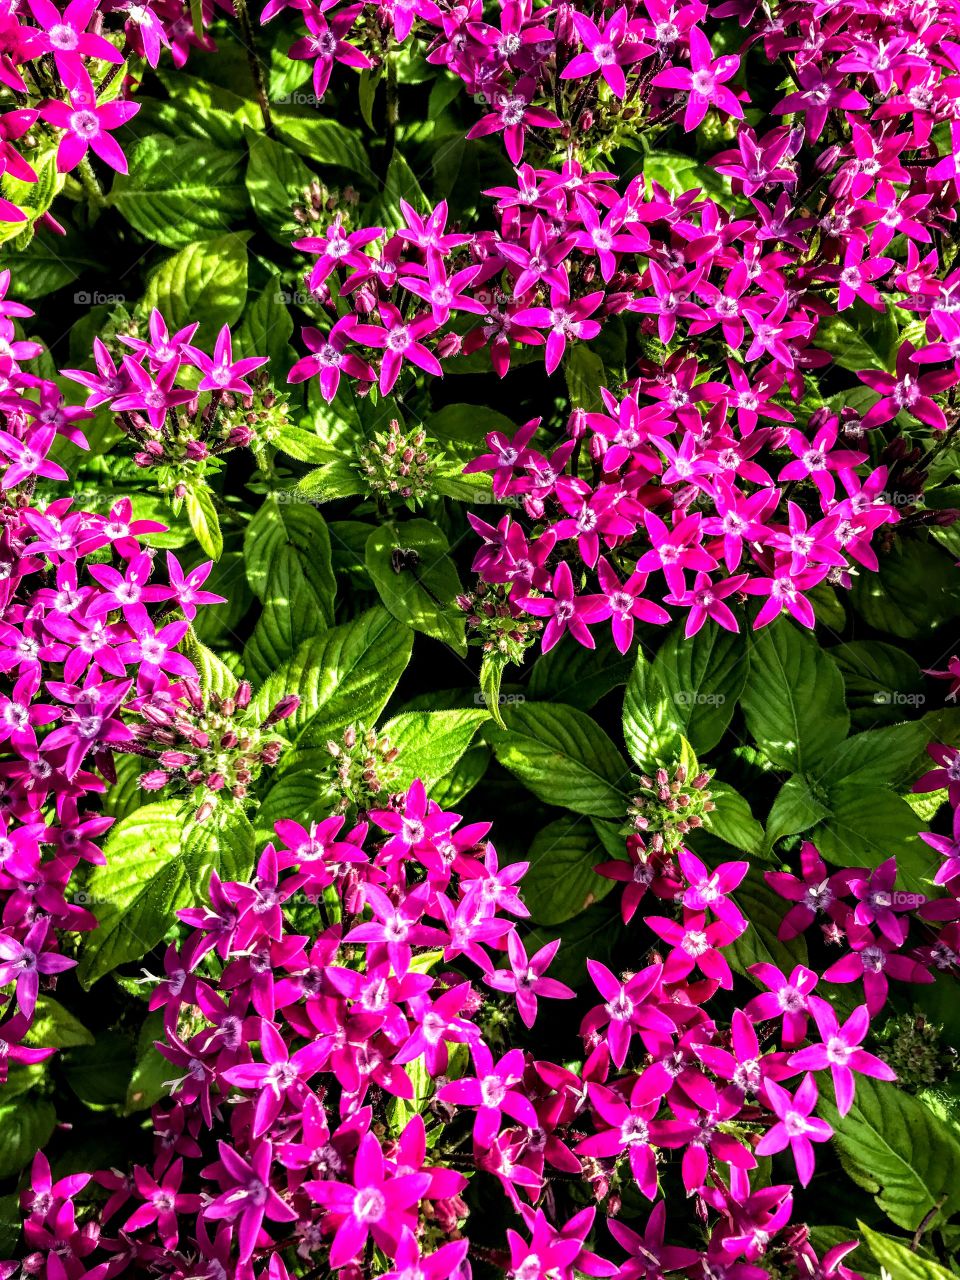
point(87, 125)
point(796, 1126)
point(607, 51)
point(840, 1051)
point(525, 978)
point(704, 81)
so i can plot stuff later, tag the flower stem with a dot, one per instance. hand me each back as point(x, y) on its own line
point(256, 66)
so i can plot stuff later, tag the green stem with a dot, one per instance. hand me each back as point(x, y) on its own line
point(91, 185)
point(256, 66)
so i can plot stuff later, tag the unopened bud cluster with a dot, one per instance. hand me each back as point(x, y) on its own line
point(362, 769)
point(913, 1047)
point(257, 419)
point(397, 464)
point(317, 201)
point(667, 807)
point(498, 626)
point(210, 745)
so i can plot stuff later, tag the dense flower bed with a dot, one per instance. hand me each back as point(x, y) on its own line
point(479, 771)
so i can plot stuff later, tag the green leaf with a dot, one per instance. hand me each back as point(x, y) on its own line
point(793, 698)
point(322, 140)
point(266, 331)
point(678, 173)
point(289, 567)
point(151, 1073)
point(733, 822)
point(703, 677)
point(914, 592)
point(25, 1128)
point(651, 725)
point(860, 338)
point(276, 179)
point(431, 742)
point(204, 520)
point(563, 757)
point(98, 1074)
point(795, 809)
point(867, 825)
point(54, 1027)
point(877, 757)
point(156, 864)
point(561, 881)
point(899, 1260)
point(180, 190)
point(335, 478)
point(577, 676)
point(343, 676)
point(401, 183)
point(214, 675)
point(417, 580)
point(206, 281)
point(893, 1147)
point(883, 683)
point(585, 375)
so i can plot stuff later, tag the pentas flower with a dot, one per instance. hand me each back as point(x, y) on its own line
point(796, 1127)
point(703, 82)
point(565, 610)
point(492, 1093)
point(87, 125)
point(607, 51)
point(525, 978)
point(221, 372)
point(374, 1204)
point(840, 1051)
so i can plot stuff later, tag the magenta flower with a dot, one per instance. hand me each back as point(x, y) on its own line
point(87, 125)
point(492, 1091)
point(66, 37)
point(796, 1127)
point(23, 963)
point(565, 610)
point(222, 372)
point(624, 602)
point(909, 390)
point(400, 340)
point(565, 319)
point(814, 891)
point(708, 890)
point(525, 978)
point(786, 998)
point(607, 51)
point(328, 359)
point(29, 457)
point(703, 82)
point(163, 1201)
point(649, 1257)
point(247, 1195)
point(631, 1129)
point(840, 1051)
point(152, 397)
point(512, 115)
point(337, 248)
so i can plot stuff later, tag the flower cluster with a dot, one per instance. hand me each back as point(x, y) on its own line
point(65, 71)
point(174, 427)
point(699, 468)
point(332, 1052)
point(79, 639)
